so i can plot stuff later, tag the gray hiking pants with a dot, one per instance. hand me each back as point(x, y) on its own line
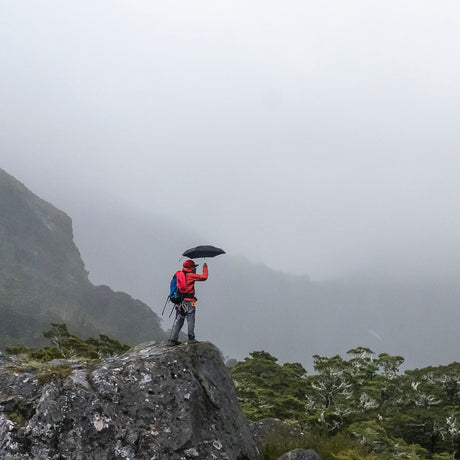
point(185, 310)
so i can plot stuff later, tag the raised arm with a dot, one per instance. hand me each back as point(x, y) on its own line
point(198, 277)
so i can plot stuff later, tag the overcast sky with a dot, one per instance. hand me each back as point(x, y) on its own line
point(317, 137)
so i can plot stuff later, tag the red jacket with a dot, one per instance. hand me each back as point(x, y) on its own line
point(189, 286)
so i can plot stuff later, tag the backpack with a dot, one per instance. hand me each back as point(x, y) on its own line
point(175, 296)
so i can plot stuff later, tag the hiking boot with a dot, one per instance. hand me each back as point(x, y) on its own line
point(192, 341)
point(173, 343)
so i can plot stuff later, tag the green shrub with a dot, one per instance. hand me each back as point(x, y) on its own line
point(69, 346)
point(360, 407)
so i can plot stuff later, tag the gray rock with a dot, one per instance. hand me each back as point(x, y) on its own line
point(268, 428)
point(300, 454)
point(153, 402)
point(272, 431)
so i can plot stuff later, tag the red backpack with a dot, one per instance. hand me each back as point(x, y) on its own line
point(176, 296)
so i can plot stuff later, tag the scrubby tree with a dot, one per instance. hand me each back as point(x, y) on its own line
point(268, 389)
point(389, 414)
point(67, 346)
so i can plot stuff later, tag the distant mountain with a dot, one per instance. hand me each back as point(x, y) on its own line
point(43, 278)
point(242, 307)
point(245, 306)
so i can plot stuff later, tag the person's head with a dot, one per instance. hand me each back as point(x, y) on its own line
point(190, 265)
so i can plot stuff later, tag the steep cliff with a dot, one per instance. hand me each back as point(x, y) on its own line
point(153, 402)
point(43, 278)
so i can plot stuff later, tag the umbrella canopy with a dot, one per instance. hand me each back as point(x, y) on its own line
point(203, 251)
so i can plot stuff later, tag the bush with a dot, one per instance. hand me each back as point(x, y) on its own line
point(68, 346)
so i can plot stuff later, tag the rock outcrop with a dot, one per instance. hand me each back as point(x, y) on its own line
point(271, 432)
point(268, 429)
point(154, 402)
point(300, 454)
point(43, 278)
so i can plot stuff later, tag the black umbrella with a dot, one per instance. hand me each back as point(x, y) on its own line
point(203, 251)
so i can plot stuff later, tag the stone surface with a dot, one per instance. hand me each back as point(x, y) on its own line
point(268, 428)
point(43, 279)
point(300, 454)
point(154, 402)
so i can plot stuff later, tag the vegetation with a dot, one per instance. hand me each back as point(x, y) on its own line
point(64, 346)
point(67, 346)
point(47, 374)
point(356, 408)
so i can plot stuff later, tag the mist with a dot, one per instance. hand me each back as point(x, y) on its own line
point(319, 139)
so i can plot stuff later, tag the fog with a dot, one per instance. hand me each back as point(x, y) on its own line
point(319, 138)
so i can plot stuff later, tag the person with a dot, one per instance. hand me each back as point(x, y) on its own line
point(186, 309)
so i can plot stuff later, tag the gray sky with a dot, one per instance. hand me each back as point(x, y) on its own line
point(317, 137)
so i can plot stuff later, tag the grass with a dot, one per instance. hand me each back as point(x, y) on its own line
point(59, 372)
point(44, 372)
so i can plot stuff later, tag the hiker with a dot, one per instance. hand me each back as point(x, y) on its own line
point(186, 309)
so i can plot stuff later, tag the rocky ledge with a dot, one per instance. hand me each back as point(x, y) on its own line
point(153, 402)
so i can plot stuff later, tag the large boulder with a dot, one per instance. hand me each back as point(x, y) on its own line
point(154, 402)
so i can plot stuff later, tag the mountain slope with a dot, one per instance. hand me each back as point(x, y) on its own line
point(43, 278)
